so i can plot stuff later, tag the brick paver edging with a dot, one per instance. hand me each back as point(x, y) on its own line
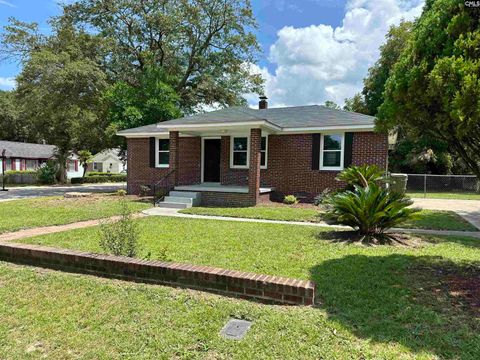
point(237, 283)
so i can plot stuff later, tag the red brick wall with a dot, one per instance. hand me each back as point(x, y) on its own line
point(240, 284)
point(140, 173)
point(289, 163)
point(210, 198)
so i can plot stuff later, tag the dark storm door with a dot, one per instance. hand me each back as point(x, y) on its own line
point(211, 160)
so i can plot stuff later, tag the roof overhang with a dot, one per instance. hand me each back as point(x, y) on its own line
point(227, 128)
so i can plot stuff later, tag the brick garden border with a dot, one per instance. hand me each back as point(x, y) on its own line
point(240, 284)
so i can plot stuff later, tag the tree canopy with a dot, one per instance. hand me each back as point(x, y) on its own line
point(434, 88)
point(205, 47)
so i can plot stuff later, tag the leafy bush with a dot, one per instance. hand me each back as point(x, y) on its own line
point(363, 175)
point(290, 200)
point(47, 173)
point(20, 172)
point(121, 192)
point(99, 179)
point(371, 210)
point(320, 198)
point(99, 173)
point(120, 237)
point(144, 190)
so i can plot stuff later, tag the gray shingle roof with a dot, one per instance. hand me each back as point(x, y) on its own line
point(26, 150)
point(286, 118)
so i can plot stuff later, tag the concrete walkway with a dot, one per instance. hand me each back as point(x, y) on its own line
point(174, 213)
point(468, 209)
point(44, 230)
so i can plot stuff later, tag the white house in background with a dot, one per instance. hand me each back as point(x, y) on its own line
point(27, 156)
point(108, 161)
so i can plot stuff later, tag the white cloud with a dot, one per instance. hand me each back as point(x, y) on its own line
point(4, 2)
point(319, 62)
point(7, 83)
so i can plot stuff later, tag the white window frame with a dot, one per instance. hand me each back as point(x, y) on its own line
point(232, 139)
point(266, 152)
point(342, 152)
point(157, 151)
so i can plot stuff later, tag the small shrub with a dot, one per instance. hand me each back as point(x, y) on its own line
point(121, 192)
point(290, 200)
point(46, 174)
point(144, 190)
point(371, 211)
point(361, 175)
point(320, 198)
point(120, 237)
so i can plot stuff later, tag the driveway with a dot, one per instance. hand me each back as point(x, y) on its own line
point(37, 191)
point(468, 209)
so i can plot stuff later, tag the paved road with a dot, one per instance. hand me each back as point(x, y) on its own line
point(468, 209)
point(37, 191)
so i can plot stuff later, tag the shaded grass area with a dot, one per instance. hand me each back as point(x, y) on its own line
point(425, 219)
point(29, 213)
point(375, 302)
point(445, 195)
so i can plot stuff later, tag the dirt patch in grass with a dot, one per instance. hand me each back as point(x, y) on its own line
point(352, 237)
point(460, 285)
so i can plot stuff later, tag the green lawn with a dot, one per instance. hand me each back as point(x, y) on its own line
point(29, 213)
point(425, 219)
point(445, 195)
point(375, 302)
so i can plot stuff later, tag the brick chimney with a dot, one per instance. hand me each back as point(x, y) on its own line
point(263, 104)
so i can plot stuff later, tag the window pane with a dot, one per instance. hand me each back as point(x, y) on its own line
point(163, 144)
point(240, 158)
point(264, 143)
point(163, 158)
point(263, 159)
point(332, 142)
point(240, 143)
point(331, 158)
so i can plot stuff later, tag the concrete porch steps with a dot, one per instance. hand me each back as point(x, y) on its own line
point(180, 200)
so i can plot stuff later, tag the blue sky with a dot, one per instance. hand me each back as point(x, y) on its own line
point(313, 50)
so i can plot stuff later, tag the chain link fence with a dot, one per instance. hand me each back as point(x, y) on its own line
point(430, 184)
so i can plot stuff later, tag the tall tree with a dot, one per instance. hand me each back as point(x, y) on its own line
point(434, 88)
point(60, 89)
point(204, 46)
point(331, 105)
point(152, 101)
point(13, 127)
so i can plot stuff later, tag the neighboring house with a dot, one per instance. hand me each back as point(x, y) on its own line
point(108, 161)
point(27, 156)
point(240, 156)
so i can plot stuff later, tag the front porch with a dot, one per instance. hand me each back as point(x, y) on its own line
point(216, 187)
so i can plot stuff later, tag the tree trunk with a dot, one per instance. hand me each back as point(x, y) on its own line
point(84, 169)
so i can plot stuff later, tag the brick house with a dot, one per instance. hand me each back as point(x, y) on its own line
point(240, 156)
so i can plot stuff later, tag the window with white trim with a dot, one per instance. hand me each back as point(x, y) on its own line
point(163, 152)
point(264, 152)
point(239, 154)
point(331, 154)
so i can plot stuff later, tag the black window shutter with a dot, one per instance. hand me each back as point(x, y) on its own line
point(316, 151)
point(152, 152)
point(347, 159)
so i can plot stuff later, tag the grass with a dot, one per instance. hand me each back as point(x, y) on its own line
point(446, 195)
point(284, 213)
point(375, 302)
point(29, 213)
point(425, 219)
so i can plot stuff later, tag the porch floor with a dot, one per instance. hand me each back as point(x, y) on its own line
point(216, 187)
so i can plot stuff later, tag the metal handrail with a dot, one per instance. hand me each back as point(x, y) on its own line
point(167, 186)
